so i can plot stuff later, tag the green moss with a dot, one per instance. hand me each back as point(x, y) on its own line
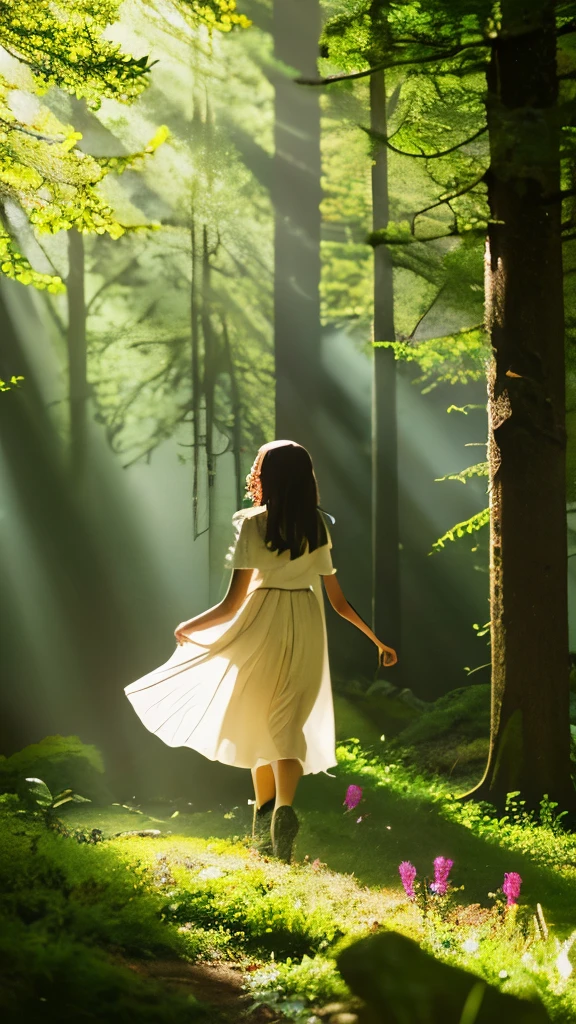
point(66, 910)
point(465, 711)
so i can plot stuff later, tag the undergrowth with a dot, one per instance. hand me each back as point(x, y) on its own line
point(539, 835)
point(72, 910)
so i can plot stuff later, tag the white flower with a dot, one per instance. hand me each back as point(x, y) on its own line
point(470, 945)
point(502, 974)
point(208, 873)
point(563, 965)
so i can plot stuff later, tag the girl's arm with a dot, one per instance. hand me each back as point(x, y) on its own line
point(220, 612)
point(387, 655)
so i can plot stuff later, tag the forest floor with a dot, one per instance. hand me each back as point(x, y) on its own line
point(164, 914)
point(345, 873)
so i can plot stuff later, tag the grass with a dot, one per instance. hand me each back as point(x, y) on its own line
point(197, 892)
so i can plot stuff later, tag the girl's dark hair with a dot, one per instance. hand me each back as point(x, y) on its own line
point(283, 479)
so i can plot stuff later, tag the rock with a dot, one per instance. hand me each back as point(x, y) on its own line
point(413, 701)
point(146, 833)
point(400, 982)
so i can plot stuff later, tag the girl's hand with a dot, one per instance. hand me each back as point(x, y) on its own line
point(386, 655)
point(181, 636)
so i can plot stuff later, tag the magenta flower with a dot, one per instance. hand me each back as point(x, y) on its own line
point(442, 868)
point(511, 887)
point(407, 873)
point(353, 797)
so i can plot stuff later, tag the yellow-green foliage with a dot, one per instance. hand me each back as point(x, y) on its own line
point(453, 359)
point(68, 903)
point(42, 170)
point(540, 836)
point(65, 908)
point(220, 15)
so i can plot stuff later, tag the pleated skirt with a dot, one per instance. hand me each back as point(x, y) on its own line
point(242, 693)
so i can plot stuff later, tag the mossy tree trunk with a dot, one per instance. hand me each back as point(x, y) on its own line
point(530, 739)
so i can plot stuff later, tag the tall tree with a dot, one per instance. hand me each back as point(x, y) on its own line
point(296, 196)
point(530, 741)
point(529, 735)
point(313, 406)
point(385, 521)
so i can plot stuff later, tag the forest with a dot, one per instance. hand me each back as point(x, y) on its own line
point(352, 224)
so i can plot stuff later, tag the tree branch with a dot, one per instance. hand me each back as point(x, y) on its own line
point(422, 156)
point(17, 126)
point(426, 311)
point(108, 283)
point(386, 65)
point(449, 198)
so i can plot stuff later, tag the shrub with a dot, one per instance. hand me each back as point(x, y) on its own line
point(61, 762)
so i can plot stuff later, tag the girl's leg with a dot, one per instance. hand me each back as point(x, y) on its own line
point(264, 792)
point(264, 784)
point(287, 775)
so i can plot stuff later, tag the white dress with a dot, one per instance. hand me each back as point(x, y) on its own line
point(257, 688)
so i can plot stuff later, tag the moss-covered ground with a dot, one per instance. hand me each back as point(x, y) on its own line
point(190, 924)
point(203, 896)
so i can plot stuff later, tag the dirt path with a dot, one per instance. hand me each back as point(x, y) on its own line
point(221, 986)
point(218, 985)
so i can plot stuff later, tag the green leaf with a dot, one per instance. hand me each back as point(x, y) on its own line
point(38, 791)
point(65, 800)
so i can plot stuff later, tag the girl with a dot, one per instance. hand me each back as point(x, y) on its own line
point(249, 681)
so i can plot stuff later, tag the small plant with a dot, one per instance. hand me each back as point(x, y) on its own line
point(41, 803)
point(430, 897)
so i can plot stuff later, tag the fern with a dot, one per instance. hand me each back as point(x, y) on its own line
point(480, 469)
point(476, 522)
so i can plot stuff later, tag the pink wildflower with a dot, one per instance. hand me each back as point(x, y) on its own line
point(353, 797)
point(407, 875)
point(442, 868)
point(511, 887)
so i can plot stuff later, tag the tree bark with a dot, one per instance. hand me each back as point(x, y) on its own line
point(77, 355)
point(385, 525)
point(530, 739)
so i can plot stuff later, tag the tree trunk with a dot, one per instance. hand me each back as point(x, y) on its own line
point(76, 342)
point(530, 739)
point(195, 375)
point(209, 385)
point(296, 196)
point(385, 525)
point(316, 405)
point(236, 409)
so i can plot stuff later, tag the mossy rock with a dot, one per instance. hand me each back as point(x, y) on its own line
point(369, 715)
point(62, 762)
point(465, 712)
point(400, 982)
point(351, 720)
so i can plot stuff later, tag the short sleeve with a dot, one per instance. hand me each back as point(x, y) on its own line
point(324, 558)
point(240, 553)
